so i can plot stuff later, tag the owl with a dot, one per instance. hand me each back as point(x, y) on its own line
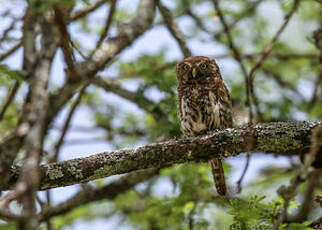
point(204, 105)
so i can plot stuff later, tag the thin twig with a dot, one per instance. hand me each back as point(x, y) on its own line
point(9, 100)
point(237, 56)
point(8, 30)
point(10, 51)
point(78, 50)
point(48, 202)
point(108, 23)
point(67, 123)
point(61, 21)
point(316, 144)
point(268, 49)
point(269, 46)
point(188, 11)
point(317, 35)
point(174, 29)
point(239, 182)
point(84, 141)
point(306, 207)
point(127, 33)
point(247, 13)
point(191, 216)
point(8, 216)
point(250, 144)
point(81, 13)
point(113, 86)
point(280, 56)
point(317, 87)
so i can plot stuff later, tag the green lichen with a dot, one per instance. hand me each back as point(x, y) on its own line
point(279, 140)
point(54, 172)
point(100, 173)
point(46, 186)
point(74, 170)
point(238, 139)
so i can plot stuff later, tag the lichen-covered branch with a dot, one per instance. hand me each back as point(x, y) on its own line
point(283, 138)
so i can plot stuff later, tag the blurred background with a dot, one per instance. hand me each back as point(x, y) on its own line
point(135, 104)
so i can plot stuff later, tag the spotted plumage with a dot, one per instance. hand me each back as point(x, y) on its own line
point(204, 105)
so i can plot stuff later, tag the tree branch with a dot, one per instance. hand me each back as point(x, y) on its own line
point(84, 12)
point(110, 85)
point(174, 29)
point(10, 98)
point(108, 23)
point(61, 16)
point(283, 138)
point(127, 33)
point(109, 191)
point(66, 125)
point(268, 48)
point(237, 56)
point(10, 51)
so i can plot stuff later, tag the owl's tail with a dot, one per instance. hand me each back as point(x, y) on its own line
point(218, 175)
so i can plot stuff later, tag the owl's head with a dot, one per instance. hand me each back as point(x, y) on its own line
point(197, 68)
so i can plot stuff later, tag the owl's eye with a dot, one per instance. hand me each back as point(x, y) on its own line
point(203, 65)
point(186, 67)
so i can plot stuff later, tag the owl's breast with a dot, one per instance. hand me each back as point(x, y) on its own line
point(199, 113)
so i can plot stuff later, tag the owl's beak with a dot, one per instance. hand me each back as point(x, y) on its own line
point(194, 72)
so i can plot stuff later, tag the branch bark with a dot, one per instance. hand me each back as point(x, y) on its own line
point(283, 138)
